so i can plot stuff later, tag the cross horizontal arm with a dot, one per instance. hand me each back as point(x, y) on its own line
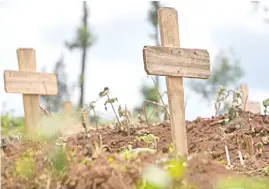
point(181, 62)
point(30, 83)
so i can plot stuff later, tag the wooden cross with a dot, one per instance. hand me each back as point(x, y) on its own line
point(247, 105)
point(175, 63)
point(67, 108)
point(31, 84)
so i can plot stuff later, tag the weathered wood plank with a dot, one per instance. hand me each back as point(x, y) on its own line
point(254, 107)
point(30, 83)
point(172, 61)
point(168, 24)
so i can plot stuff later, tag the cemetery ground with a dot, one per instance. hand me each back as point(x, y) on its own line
point(222, 152)
point(109, 158)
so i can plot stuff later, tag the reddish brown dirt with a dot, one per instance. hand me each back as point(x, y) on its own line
point(204, 135)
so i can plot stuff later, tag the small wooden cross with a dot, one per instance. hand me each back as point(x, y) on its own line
point(67, 108)
point(175, 63)
point(247, 105)
point(31, 84)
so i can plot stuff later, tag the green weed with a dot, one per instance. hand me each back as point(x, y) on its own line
point(25, 165)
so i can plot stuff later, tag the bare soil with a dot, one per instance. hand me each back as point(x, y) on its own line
point(204, 135)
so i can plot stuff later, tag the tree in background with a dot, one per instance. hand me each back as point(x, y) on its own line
point(153, 19)
point(150, 93)
point(226, 72)
point(257, 5)
point(83, 41)
point(54, 103)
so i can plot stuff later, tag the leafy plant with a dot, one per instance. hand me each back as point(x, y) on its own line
point(105, 93)
point(168, 174)
point(25, 165)
point(150, 139)
point(58, 160)
point(241, 182)
point(11, 124)
point(126, 116)
point(265, 104)
point(233, 108)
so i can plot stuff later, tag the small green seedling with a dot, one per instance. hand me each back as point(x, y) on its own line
point(58, 160)
point(150, 139)
point(125, 113)
point(265, 104)
point(25, 165)
point(259, 147)
point(105, 93)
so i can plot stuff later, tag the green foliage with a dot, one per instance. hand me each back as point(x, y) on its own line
point(246, 183)
point(150, 93)
point(84, 39)
point(111, 101)
point(222, 97)
point(58, 159)
point(149, 139)
point(225, 72)
point(152, 13)
point(11, 124)
point(175, 168)
point(153, 19)
point(25, 165)
point(170, 175)
point(265, 104)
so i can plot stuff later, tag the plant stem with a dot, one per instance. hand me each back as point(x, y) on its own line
point(95, 119)
point(144, 110)
point(160, 97)
point(114, 110)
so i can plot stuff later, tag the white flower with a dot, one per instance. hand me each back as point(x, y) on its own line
point(157, 176)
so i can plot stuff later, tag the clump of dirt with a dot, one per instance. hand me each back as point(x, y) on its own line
point(89, 155)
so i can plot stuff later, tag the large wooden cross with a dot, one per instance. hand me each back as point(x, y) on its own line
point(175, 63)
point(31, 84)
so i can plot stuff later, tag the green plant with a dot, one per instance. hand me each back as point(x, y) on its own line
point(58, 159)
point(25, 165)
point(242, 182)
point(168, 174)
point(150, 139)
point(105, 93)
point(222, 96)
point(126, 116)
point(266, 170)
point(11, 124)
point(265, 104)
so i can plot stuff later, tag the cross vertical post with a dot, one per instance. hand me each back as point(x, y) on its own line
point(247, 105)
point(175, 63)
point(67, 108)
point(27, 63)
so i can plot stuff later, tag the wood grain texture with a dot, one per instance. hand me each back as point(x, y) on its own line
point(244, 90)
point(251, 106)
point(67, 108)
point(254, 107)
point(30, 83)
point(27, 63)
point(168, 24)
point(168, 61)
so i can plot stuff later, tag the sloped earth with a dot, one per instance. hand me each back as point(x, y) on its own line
point(204, 135)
